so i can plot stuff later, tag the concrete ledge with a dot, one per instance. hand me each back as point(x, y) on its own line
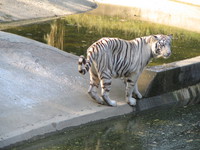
point(170, 77)
point(182, 97)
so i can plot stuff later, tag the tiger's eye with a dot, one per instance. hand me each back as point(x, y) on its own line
point(157, 51)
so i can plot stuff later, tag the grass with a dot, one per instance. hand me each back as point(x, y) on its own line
point(186, 44)
point(128, 28)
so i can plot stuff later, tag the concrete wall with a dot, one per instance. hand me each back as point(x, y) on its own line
point(182, 97)
point(170, 77)
point(166, 12)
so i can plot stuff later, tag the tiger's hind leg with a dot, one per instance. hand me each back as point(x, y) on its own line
point(94, 84)
point(93, 93)
point(106, 87)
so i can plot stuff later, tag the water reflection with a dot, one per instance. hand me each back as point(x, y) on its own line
point(155, 130)
point(56, 36)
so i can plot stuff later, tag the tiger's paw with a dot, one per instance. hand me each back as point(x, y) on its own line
point(137, 95)
point(113, 103)
point(100, 101)
point(132, 101)
point(109, 101)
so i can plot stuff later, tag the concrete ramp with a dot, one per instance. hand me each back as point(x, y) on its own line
point(41, 86)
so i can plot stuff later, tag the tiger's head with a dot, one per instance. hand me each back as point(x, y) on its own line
point(161, 45)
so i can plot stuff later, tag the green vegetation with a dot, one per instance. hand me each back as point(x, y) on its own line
point(92, 27)
point(126, 28)
point(75, 33)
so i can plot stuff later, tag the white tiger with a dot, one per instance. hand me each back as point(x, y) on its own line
point(118, 58)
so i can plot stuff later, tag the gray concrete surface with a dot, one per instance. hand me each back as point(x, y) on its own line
point(40, 86)
point(22, 12)
point(15, 10)
point(42, 92)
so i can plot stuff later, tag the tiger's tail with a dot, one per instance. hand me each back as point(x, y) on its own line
point(87, 64)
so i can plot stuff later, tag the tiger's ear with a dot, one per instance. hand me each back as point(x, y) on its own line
point(154, 38)
point(170, 36)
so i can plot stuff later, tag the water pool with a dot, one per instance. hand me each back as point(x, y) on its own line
point(75, 33)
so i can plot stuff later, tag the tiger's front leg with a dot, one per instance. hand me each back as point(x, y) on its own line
point(131, 86)
point(129, 90)
point(136, 92)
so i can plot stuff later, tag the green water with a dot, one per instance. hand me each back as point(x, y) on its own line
point(163, 129)
point(76, 33)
